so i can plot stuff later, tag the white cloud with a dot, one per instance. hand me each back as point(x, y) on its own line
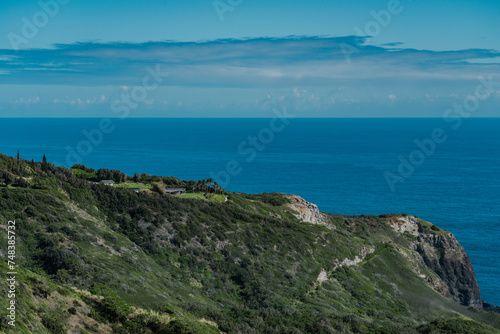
point(306, 73)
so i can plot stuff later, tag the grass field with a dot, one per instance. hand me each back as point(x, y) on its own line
point(203, 196)
point(133, 185)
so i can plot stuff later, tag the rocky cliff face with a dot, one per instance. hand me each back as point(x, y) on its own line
point(439, 250)
point(442, 253)
point(307, 211)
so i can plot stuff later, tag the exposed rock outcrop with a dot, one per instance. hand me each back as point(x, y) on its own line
point(357, 259)
point(307, 211)
point(442, 253)
point(491, 308)
point(406, 224)
point(323, 276)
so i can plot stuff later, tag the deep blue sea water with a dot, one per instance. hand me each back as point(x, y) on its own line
point(338, 164)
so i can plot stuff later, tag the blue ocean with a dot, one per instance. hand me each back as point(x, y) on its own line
point(424, 167)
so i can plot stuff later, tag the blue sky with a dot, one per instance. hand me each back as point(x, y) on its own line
point(240, 58)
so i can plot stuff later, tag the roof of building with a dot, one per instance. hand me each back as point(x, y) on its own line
point(174, 190)
point(108, 181)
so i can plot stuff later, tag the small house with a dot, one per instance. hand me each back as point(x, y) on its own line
point(108, 182)
point(137, 190)
point(176, 191)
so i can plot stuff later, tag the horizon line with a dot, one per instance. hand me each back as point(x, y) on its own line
point(297, 117)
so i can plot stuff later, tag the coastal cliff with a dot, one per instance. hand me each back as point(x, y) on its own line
point(96, 258)
point(307, 211)
point(442, 253)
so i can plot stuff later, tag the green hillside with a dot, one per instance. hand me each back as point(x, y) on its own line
point(92, 258)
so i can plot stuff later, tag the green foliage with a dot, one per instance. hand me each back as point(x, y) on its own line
point(111, 174)
point(246, 265)
point(133, 185)
point(85, 174)
point(435, 228)
point(55, 321)
point(453, 326)
point(275, 199)
point(430, 228)
point(114, 307)
point(204, 196)
point(159, 187)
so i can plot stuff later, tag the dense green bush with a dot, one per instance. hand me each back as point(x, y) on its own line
point(453, 326)
point(55, 321)
point(274, 199)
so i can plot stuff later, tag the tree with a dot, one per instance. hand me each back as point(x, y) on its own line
point(217, 188)
point(159, 187)
point(22, 183)
point(209, 183)
point(137, 177)
point(111, 174)
point(44, 161)
point(9, 178)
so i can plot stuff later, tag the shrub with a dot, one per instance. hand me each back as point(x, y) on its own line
point(55, 321)
point(159, 187)
point(435, 228)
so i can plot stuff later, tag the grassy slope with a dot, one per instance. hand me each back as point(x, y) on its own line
point(133, 185)
point(184, 260)
point(204, 196)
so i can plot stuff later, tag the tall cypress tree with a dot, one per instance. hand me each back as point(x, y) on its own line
point(44, 159)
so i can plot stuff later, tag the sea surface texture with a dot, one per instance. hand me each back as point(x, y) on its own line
point(451, 178)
